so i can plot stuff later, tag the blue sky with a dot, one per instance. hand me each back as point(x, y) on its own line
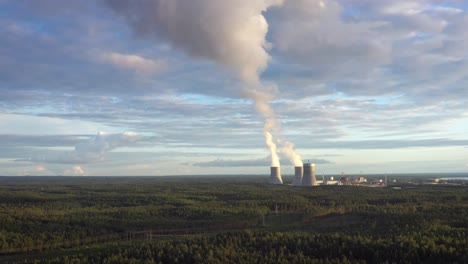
point(151, 87)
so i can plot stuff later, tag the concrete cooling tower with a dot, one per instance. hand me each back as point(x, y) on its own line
point(298, 172)
point(275, 176)
point(309, 175)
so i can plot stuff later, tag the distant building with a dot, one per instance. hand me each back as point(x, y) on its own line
point(345, 181)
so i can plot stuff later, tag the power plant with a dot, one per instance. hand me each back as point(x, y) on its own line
point(305, 176)
point(309, 175)
point(298, 172)
point(275, 176)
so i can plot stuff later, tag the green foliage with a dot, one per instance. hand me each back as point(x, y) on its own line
point(327, 224)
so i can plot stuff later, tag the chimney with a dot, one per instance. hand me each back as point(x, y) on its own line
point(298, 172)
point(275, 176)
point(309, 178)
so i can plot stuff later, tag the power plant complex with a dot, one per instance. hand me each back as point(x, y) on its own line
point(303, 176)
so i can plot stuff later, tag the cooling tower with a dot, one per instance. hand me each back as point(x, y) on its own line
point(298, 172)
point(309, 175)
point(275, 176)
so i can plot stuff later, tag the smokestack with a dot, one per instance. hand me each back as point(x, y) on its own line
point(298, 172)
point(275, 176)
point(309, 175)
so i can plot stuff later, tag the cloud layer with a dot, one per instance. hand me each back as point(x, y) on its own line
point(89, 151)
point(247, 163)
point(138, 63)
point(351, 77)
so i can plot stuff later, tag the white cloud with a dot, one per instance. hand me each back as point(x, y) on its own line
point(92, 150)
point(365, 47)
point(317, 35)
point(135, 62)
point(74, 171)
point(17, 124)
point(40, 168)
point(247, 163)
point(381, 50)
point(95, 148)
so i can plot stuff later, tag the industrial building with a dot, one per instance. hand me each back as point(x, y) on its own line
point(309, 179)
point(298, 173)
point(306, 176)
point(275, 175)
point(303, 175)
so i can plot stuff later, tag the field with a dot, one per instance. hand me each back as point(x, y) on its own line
point(227, 219)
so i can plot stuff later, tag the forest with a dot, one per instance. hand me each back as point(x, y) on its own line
point(227, 219)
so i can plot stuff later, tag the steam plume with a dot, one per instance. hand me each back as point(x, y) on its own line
point(232, 33)
point(272, 146)
point(287, 149)
point(261, 98)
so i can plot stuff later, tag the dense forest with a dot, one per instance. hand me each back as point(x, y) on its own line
point(227, 219)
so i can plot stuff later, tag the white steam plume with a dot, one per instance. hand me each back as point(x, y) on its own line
point(231, 33)
point(262, 104)
point(261, 96)
point(272, 146)
point(287, 148)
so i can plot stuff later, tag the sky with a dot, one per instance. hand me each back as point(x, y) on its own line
point(182, 87)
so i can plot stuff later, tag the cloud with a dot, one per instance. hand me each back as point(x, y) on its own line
point(16, 125)
point(95, 148)
point(318, 161)
point(70, 49)
point(74, 171)
point(247, 163)
point(366, 47)
point(352, 74)
point(135, 62)
point(234, 163)
point(40, 168)
point(12, 141)
point(230, 33)
point(91, 150)
point(315, 34)
point(387, 144)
